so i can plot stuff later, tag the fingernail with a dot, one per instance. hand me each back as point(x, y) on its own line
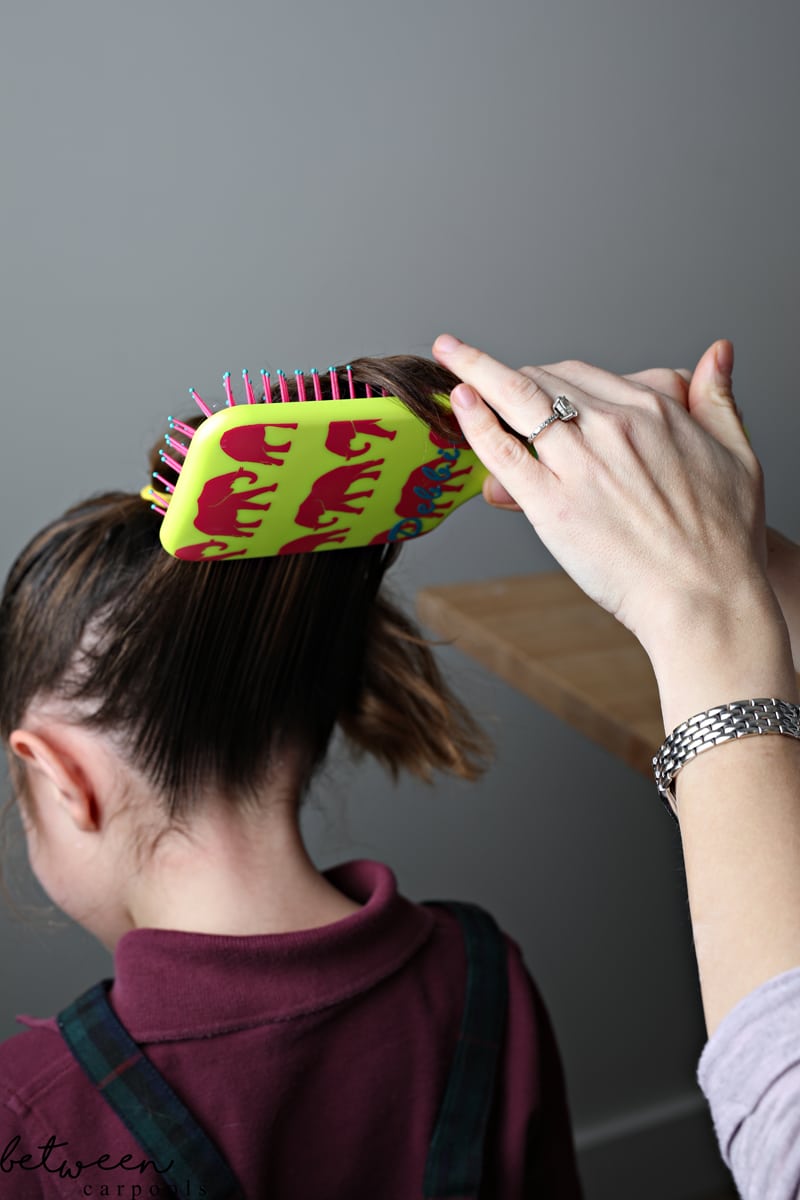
point(463, 397)
point(446, 343)
point(723, 356)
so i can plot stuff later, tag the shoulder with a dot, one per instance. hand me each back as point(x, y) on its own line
point(49, 1114)
point(32, 1061)
point(530, 1089)
point(466, 931)
point(528, 1021)
point(471, 925)
point(32, 1064)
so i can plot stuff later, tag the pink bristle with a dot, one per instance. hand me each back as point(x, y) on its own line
point(317, 384)
point(179, 446)
point(182, 427)
point(334, 383)
point(248, 388)
point(267, 386)
point(201, 404)
point(231, 399)
point(384, 392)
point(284, 387)
point(369, 390)
point(159, 505)
point(169, 486)
point(350, 382)
point(170, 462)
point(300, 381)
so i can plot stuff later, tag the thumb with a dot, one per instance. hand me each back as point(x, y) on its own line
point(499, 497)
point(711, 401)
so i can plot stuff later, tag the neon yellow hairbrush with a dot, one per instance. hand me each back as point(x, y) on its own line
point(291, 473)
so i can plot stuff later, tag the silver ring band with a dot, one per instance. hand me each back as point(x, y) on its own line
point(563, 410)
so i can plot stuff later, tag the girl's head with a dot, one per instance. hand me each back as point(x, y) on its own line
point(208, 678)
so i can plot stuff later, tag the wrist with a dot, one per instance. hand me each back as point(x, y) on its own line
point(732, 648)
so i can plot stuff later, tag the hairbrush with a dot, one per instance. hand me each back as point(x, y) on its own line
point(296, 472)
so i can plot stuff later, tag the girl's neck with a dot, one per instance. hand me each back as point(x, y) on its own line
point(235, 875)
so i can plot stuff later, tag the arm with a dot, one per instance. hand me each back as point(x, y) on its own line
point(738, 803)
point(662, 523)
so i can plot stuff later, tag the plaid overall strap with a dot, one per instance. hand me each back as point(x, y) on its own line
point(181, 1152)
point(455, 1156)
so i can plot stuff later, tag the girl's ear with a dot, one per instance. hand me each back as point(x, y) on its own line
point(58, 772)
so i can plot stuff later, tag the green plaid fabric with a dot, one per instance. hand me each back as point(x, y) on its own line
point(455, 1158)
point(164, 1128)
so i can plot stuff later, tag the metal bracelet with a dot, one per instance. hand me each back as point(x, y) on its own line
point(717, 725)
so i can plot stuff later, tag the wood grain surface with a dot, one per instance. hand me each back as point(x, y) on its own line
point(542, 635)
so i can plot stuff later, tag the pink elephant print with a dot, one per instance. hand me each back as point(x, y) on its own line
point(330, 493)
point(219, 505)
point(342, 434)
point(312, 540)
point(248, 443)
point(197, 552)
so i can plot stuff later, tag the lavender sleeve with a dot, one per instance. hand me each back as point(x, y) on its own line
point(750, 1074)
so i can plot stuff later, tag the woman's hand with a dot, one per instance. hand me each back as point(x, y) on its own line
point(706, 394)
point(674, 384)
point(783, 572)
point(657, 514)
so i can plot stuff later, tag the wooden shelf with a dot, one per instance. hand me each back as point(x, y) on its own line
point(542, 635)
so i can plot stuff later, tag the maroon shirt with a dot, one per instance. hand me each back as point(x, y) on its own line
point(315, 1060)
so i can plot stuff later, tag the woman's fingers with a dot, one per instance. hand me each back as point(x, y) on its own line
point(674, 384)
point(609, 388)
point(519, 398)
point(524, 398)
point(499, 497)
point(507, 458)
point(664, 381)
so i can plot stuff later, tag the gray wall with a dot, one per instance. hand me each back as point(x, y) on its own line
point(192, 187)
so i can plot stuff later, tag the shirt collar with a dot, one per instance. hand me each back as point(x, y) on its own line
point(170, 985)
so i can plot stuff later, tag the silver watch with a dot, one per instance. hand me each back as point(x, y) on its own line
point(717, 725)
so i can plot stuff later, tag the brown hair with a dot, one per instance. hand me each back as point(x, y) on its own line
point(205, 670)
